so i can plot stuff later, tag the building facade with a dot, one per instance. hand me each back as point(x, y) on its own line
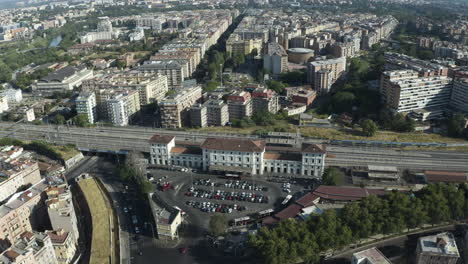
point(239, 105)
point(459, 99)
point(240, 156)
point(324, 73)
point(175, 109)
point(86, 105)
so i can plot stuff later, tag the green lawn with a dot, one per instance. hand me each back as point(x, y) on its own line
point(104, 233)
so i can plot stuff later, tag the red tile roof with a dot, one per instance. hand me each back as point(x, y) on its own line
point(282, 156)
point(161, 139)
point(289, 212)
point(58, 236)
point(313, 148)
point(446, 176)
point(345, 193)
point(11, 254)
point(234, 145)
point(308, 200)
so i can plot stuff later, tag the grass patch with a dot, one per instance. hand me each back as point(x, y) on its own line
point(104, 232)
point(66, 152)
point(331, 133)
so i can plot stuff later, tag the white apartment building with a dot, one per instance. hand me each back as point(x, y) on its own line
point(411, 94)
point(38, 243)
point(3, 104)
point(459, 99)
point(175, 71)
point(240, 156)
point(13, 95)
point(121, 107)
point(86, 105)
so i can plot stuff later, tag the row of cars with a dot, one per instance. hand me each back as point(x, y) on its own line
point(226, 195)
point(209, 207)
point(234, 184)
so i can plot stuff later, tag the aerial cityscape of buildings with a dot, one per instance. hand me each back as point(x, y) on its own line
point(243, 131)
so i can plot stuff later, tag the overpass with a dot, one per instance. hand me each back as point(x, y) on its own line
point(121, 140)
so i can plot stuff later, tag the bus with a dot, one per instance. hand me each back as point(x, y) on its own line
point(232, 176)
point(265, 213)
point(286, 200)
point(241, 221)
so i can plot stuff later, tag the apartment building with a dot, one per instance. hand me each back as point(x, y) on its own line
point(86, 105)
point(192, 58)
point(167, 224)
point(13, 96)
point(240, 156)
point(198, 117)
point(459, 99)
point(370, 256)
point(217, 112)
point(150, 22)
point(275, 59)
point(65, 79)
point(303, 96)
point(64, 245)
point(152, 87)
point(265, 100)
point(175, 71)
point(324, 73)
point(235, 45)
point(388, 77)
point(32, 247)
point(239, 105)
point(406, 95)
point(121, 107)
point(15, 214)
point(16, 170)
point(438, 249)
point(61, 210)
point(396, 61)
point(347, 49)
point(175, 109)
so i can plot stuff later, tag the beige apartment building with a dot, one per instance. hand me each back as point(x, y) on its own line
point(16, 170)
point(175, 109)
point(64, 245)
point(236, 45)
point(176, 71)
point(324, 73)
point(31, 248)
point(167, 224)
point(239, 105)
point(152, 87)
point(61, 210)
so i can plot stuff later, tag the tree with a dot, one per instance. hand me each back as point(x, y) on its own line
point(210, 86)
point(332, 176)
point(81, 120)
point(455, 125)
point(342, 102)
point(276, 86)
point(218, 224)
point(369, 128)
point(59, 119)
point(263, 118)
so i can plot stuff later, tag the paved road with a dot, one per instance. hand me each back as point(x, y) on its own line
point(133, 138)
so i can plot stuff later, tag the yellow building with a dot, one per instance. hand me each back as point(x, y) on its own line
point(64, 245)
point(235, 45)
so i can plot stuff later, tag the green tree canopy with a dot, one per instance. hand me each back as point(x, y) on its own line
point(218, 224)
point(369, 128)
point(332, 176)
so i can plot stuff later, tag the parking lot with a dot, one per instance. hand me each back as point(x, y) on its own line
point(200, 195)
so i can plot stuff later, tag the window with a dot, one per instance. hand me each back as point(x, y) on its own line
point(305, 172)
